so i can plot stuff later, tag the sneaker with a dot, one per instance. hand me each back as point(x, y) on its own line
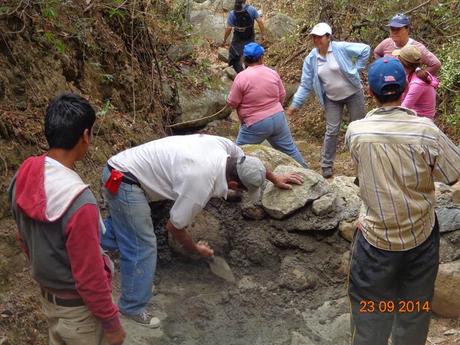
point(327, 172)
point(144, 319)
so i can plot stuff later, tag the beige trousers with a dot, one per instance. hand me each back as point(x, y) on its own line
point(72, 325)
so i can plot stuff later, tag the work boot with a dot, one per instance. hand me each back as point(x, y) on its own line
point(144, 319)
point(327, 172)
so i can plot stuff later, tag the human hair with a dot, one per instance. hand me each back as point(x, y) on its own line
point(67, 117)
point(390, 92)
point(239, 5)
point(416, 68)
point(251, 61)
point(231, 172)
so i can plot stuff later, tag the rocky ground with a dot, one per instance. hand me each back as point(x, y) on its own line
point(290, 284)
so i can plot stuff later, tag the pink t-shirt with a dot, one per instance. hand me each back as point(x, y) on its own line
point(388, 48)
point(420, 96)
point(257, 93)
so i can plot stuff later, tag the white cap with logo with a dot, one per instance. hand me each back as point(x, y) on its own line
point(251, 172)
point(321, 29)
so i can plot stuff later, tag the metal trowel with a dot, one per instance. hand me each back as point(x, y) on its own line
point(220, 268)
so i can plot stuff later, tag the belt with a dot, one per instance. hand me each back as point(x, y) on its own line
point(127, 177)
point(62, 302)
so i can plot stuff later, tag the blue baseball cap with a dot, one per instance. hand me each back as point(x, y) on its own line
point(386, 71)
point(253, 50)
point(399, 21)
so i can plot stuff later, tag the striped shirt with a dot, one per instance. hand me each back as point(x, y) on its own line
point(398, 157)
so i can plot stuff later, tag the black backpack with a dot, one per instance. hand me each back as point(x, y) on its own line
point(244, 25)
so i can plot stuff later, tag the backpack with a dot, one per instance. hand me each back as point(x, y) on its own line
point(244, 25)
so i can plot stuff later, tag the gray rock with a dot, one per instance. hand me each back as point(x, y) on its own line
point(180, 52)
point(347, 229)
point(456, 193)
point(295, 276)
point(270, 156)
point(348, 200)
point(278, 26)
point(447, 251)
point(330, 323)
point(299, 339)
point(194, 107)
point(207, 25)
point(247, 283)
point(324, 205)
point(230, 72)
point(224, 5)
point(306, 220)
point(446, 301)
point(205, 227)
point(222, 54)
point(449, 219)
point(279, 203)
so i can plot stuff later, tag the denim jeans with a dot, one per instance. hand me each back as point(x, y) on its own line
point(333, 113)
point(276, 130)
point(129, 228)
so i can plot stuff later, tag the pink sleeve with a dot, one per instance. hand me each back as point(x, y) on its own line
point(379, 50)
point(433, 65)
point(236, 96)
point(91, 275)
point(413, 93)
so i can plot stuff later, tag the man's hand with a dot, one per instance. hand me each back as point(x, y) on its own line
point(285, 181)
point(204, 249)
point(115, 338)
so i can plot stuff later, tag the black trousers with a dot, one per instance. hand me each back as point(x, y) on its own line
point(391, 292)
point(235, 53)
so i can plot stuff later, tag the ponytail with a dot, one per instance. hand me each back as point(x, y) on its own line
point(239, 5)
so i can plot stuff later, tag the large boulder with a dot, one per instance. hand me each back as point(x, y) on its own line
point(447, 208)
point(205, 227)
point(448, 218)
point(224, 5)
point(446, 301)
point(270, 156)
point(207, 25)
point(279, 26)
point(193, 107)
point(280, 203)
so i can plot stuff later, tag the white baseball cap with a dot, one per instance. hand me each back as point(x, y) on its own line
point(321, 29)
point(251, 172)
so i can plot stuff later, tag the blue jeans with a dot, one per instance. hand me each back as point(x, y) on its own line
point(129, 228)
point(276, 130)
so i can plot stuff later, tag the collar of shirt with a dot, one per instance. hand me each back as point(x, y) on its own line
point(390, 109)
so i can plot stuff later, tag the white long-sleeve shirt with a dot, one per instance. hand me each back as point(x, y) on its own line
point(188, 169)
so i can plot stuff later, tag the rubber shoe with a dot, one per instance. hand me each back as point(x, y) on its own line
point(144, 319)
point(327, 172)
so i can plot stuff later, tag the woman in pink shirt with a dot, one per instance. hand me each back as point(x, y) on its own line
point(257, 95)
point(420, 93)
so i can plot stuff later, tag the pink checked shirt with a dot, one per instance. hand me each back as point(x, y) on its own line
point(257, 93)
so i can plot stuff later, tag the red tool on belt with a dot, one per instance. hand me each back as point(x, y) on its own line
point(114, 181)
